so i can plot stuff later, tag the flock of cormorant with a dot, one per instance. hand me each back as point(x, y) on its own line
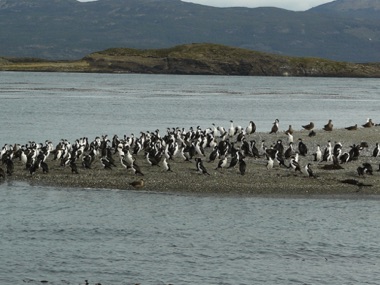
point(229, 147)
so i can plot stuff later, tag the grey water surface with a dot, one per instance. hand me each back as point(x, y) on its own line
point(67, 236)
point(40, 106)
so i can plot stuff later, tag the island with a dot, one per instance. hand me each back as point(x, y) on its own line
point(196, 59)
point(264, 165)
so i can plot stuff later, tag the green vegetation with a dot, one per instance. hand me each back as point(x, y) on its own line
point(205, 58)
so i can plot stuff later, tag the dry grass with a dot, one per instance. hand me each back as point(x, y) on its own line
point(58, 66)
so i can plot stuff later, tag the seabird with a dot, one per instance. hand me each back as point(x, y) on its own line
point(352, 128)
point(376, 151)
point(368, 124)
point(224, 147)
point(246, 148)
point(368, 168)
point(240, 137)
point(166, 165)
point(33, 168)
point(328, 152)
point(23, 157)
point(270, 152)
point(200, 167)
point(280, 147)
point(66, 160)
point(10, 166)
point(312, 134)
point(128, 157)
point(302, 148)
point(73, 166)
point(309, 171)
point(199, 148)
point(138, 146)
point(105, 163)
point(87, 161)
point(344, 157)
point(290, 137)
point(269, 162)
point(329, 126)
point(136, 169)
point(337, 150)
point(289, 151)
point(153, 160)
point(123, 162)
point(45, 167)
point(222, 163)
point(215, 130)
point(354, 152)
point(275, 127)
point(235, 159)
point(231, 130)
point(242, 166)
point(280, 159)
point(318, 154)
point(365, 169)
point(363, 145)
point(188, 151)
point(138, 184)
point(214, 154)
point(289, 131)
point(294, 164)
point(309, 126)
point(3, 150)
point(254, 149)
point(251, 129)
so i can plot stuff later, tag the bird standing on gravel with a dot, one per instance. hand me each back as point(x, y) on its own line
point(329, 126)
point(309, 126)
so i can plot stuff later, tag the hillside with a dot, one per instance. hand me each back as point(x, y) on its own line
point(205, 59)
point(68, 29)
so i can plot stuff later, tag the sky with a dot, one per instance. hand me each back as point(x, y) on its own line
point(294, 5)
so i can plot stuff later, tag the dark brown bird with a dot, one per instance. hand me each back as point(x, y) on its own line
point(368, 124)
point(138, 184)
point(309, 126)
point(289, 130)
point(329, 126)
point(352, 128)
point(274, 129)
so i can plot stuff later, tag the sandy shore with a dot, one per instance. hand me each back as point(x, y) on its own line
point(258, 180)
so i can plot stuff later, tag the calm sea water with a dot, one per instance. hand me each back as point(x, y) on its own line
point(40, 106)
point(66, 236)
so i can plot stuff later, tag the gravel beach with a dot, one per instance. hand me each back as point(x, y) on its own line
point(329, 179)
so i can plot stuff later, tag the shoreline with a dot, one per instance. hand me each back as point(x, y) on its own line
point(257, 181)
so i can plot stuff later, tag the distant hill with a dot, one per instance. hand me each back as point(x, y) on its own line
point(363, 9)
point(343, 30)
point(201, 59)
